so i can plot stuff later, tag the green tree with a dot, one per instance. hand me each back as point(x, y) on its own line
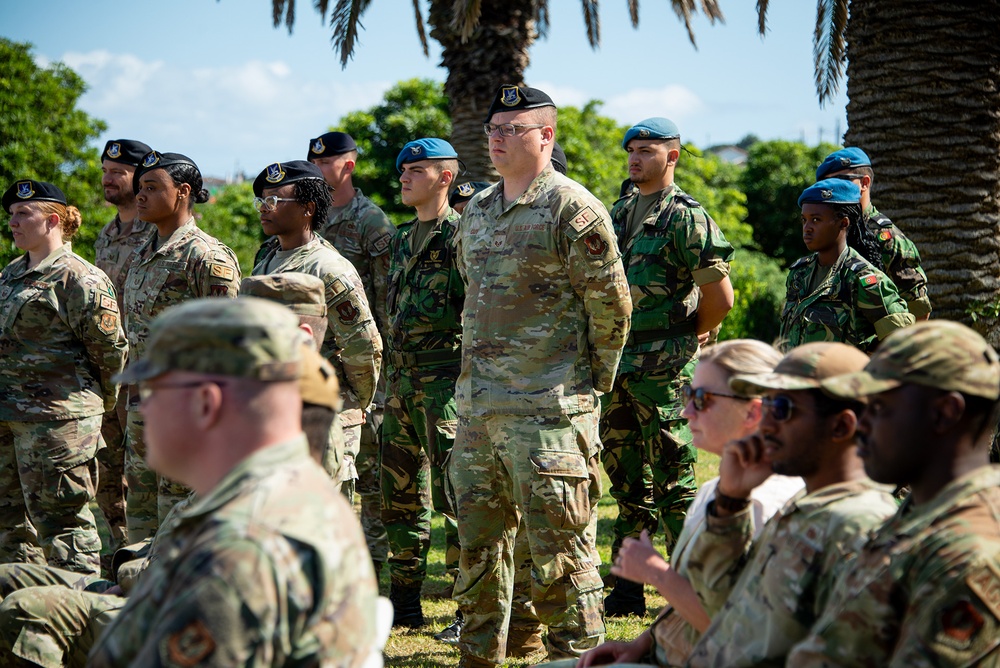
point(230, 217)
point(43, 136)
point(592, 144)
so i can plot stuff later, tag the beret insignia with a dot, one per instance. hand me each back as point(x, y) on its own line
point(115, 150)
point(466, 190)
point(151, 159)
point(274, 173)
point(826, 194)
point(644, 133)
point(318, 146)
point(24, 190)
point(510, 96)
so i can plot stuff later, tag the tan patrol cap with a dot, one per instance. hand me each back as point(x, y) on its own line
point(803, 368)
point(305, 294)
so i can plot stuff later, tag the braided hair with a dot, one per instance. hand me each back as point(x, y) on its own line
point(859, 237)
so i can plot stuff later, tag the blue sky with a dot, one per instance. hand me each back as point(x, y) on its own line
point(212, 79)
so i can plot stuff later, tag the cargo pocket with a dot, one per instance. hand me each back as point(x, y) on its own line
point(560, 490)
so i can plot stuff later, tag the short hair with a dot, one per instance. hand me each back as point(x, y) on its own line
point(544, 115)
point(741, 357)
point(314, 191)
point(827, 406)
point(450, 164)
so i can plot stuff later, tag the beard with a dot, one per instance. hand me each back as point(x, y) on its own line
point(119, 198)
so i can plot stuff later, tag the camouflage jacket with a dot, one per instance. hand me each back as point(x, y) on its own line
point(677, 248)
point(114, 247)
point(425, 298)
point(764, 596)
point(546, 303)
point(901, 261)
point(268, 569)
point(361, 233)
point(856, 304)
point(352, 342)
point(61, 340)
point(924, 590)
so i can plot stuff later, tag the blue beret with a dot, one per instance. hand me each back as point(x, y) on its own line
point(831, 191)
point(558, 158)
point(652, 128)
point(428, 148)
point(125, 151)
point(331, 143)
point(32, 191)
point(845, 158)
point(465, 192)
point(283, 173)
point(156, 160)
point(516, 98)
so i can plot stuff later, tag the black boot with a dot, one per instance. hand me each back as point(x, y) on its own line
point(627, 598)
point(406, 606)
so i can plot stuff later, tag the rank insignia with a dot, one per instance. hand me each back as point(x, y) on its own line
point(274, 173)
point(114, 150)
point(510, 96)
point(24, 189)
point(318, 146)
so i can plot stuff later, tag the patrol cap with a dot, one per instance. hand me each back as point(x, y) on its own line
point(282, 173)
point(331, 143)
point(515, 98)
point(803, 368)
point(244, 337)
point(938, 353)
point(831, 191)
point(465, 191)
point(318, 383)
point(652, 128)
point(558, 158)
point(156, 160)
point(304, 294)
point(845, 158)
point(32, 191)
point(428, 148)
point(125, 151)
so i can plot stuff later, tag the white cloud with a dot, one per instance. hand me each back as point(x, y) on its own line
point(675, 102)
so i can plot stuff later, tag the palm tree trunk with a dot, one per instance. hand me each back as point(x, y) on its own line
point(924, 87)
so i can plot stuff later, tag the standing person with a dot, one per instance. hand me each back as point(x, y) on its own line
point(115, 244)
point(677, 263)
point(834, 294)
point(461, 195)
point(61, 343)
point(876, 238)
point(177, 263)
point(293, 201)
point(763, 596)
point(423, 356)
point(925, 589)
point(546, 314)
point(359, 230)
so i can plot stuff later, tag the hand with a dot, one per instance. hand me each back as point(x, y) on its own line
point(114, 591)
point(639, 561)
point(703, 337)
point(744, 467)
point(615, 652)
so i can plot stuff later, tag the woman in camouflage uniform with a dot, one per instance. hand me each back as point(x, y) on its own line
point(61, 342)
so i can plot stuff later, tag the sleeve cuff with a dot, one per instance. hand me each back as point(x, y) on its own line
point(892, 322)
point(711, 274)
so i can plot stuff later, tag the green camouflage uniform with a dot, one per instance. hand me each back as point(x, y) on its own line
point(546, 315)
point(647, 444)
point(113, 249)
point(924, 590)
point(764, 596)
point(189, 264)
point(423, 357)
point(269, 568)
point(856, 304)
point(901, 261)
point(61, 342)
point(362, 233)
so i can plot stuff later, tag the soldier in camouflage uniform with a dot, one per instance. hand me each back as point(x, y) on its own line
point(835, 294)
point(677, 263)
point(292, 199)
point(359, 230)
point(177, 263)
point(925, 589)
point(268, 566)
point(763, 597)
point(546, 314)
point(423, 358)
point(114, 246)
point(898, 256)
point(61, 343)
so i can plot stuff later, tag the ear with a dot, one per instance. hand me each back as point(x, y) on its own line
point(673, 155)
point(52, 222)
point(755, 411)
point(310, 209)
point(206, 405)
point(866, 182)
point(307, 328)
point(947, 411)
point(447, 177)
point(548, 135)
point(844, 426)
point(183, 190)
point(349, 166)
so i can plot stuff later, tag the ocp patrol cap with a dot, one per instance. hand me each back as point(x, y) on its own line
point(27, 190)
point(831, 191)
point(278, 174)
point(845, 158)
point(156, 160)
point(803, 368)
point(125, 151)
point(652, 128)
point(428, 148)
point(304, 294)
point(331, 143)
point(510, 97)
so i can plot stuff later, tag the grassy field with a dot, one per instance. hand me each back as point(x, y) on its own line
point(418, 649)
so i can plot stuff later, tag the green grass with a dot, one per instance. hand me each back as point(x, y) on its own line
point(418, 649)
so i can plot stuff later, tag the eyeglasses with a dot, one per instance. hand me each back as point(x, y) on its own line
point(848, 177)
point(508, 129)
point(780, 407)
point(699, 397)
point(146, 390)
point(269, 204)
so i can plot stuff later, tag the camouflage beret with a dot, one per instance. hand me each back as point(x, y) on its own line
point(278, 174)
point(32, 191)
point(244, 337)
point(938, 353)
point(515, 98)
point(329, 144)
point(318, 383)
point(304, 294)
point(803, 368)
point(652, 128)
point(125, 151)
point(831, 191)
point(838, 161)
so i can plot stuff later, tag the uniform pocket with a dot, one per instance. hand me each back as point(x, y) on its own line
point(560, 490)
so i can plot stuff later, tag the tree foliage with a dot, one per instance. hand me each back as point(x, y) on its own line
point(43, 136)
point(592, 144)
point(230, 217)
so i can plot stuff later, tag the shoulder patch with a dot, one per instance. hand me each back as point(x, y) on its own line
point(884, 235)
point(191, 644)
point(961, 621)
point(108, 323)
point(109, 304)
point(687, 200)
point(218, 290)
point(985, 583)
point(869, 279)
point(802, 261)
point(381, 244)
point(348, 312)
point(583, 219)
point(596, 245)
point(222, 271)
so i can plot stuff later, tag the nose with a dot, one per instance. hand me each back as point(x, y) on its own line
point(688, 411)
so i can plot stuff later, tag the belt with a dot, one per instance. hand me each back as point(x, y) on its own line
point(424, 357)
point(650, 335)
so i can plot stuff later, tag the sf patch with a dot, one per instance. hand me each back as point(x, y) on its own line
point(583, 219)
point(222, 271)
point(190, 645)
point(596, 245)
point(348, 312)
point(109, 304)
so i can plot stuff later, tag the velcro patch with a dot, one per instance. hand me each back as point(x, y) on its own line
point(218, 290)
point(108, 323)
point(985, 583)
point(348, 312)
point(381, 244)
point(222, 271)
point(191, 644)
point(870, 279)
point(109, 304)
point(583, 219)
point(885, 235)
point(596, 245)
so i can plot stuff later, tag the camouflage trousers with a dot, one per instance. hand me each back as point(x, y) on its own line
point(150, 495)
point(368, 486)
point(47, 481)
point(533, 469)
point(648, 453)
point(417, 438)
point(111, 478)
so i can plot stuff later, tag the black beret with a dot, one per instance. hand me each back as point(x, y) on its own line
point(465, 191)
point(331, 143)
point(125, 151)
point(558, 158)
point(516, 98)
point(283, 173)
point(32, 191)
point(156, 160)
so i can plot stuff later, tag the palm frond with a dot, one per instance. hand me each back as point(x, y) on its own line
point(345, 22)
point(633, 12)
point(762, 16)
point(685, 9)
point(542, 17)
point(421, 33)
point(829, 46)
point(466, 17)
point(321, 8)
point(283, 8)
point(592, 19)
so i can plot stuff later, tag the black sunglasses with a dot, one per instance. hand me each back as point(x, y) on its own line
point(780, 407)
point(699, 396)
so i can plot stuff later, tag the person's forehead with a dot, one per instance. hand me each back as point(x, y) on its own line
point(22, 207)
point(418, 164)
point(637, 143)
point(816, 208)
point(157, 175)
point(281, 191)
point(112, 166)
point(519, 115)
